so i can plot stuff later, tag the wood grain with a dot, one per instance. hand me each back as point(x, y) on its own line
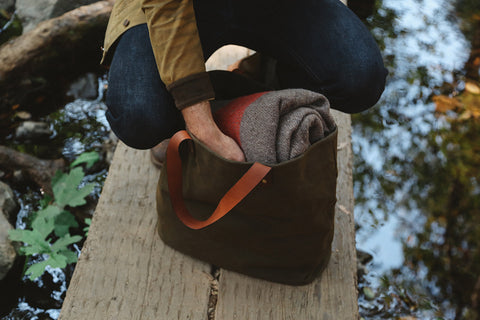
point(333, 296)
point(125, 271)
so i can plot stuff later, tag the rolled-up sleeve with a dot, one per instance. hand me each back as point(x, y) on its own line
point(178, 51)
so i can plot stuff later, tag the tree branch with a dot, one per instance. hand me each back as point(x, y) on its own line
point(38, 170)
point(24, 52)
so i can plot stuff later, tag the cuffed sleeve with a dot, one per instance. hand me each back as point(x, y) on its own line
point(191, 89)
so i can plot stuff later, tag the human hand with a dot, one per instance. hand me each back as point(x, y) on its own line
point(223, 145)
point(199, 121)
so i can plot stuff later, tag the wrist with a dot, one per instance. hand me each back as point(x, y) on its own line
point(199, 120)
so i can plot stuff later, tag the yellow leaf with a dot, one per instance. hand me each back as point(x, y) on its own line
point(476, 113)
point(476, 62)
point(470, 102)
point(465, 115)
point(445, 103)
point(23, 115)
point(472, 87)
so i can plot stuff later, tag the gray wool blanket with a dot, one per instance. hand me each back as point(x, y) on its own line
point(281, 125)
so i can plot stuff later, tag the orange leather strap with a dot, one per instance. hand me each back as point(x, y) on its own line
point(237, 193)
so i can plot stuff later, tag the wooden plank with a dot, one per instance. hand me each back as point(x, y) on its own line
point(125, 271)
point(333, 296)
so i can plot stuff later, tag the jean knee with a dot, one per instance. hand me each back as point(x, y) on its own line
point(141, 130)
point(363, 88)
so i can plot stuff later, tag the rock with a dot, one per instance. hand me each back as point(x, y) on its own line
point(109, 146)
point(85, 87)
point(18, 176)
point(7, 250)
point(33, 130)
point(8, 204)
point(32, 12)
point(363, 258)
point(7, 5)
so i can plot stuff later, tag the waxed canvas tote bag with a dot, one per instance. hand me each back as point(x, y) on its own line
point(274, 222)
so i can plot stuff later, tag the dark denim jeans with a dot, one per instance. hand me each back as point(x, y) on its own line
point(320, 45)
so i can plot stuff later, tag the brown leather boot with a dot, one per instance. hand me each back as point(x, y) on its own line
point(158, 153)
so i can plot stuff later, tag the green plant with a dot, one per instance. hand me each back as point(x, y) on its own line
point(49, 234)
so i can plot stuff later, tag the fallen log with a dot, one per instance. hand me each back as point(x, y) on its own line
point(38, 170)
point(57, 49)
point(45, 42)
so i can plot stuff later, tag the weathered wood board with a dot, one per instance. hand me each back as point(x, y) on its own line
point(333, 296)
point(126, 272)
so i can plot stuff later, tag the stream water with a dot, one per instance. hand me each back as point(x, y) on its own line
point(403, 174)
point(419, 261)
point(79, 126)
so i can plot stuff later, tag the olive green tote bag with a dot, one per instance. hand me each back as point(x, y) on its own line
point(272, 222)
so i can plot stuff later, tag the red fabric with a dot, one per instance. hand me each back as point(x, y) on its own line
point(230, 116)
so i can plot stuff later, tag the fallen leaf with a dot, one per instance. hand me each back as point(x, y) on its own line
point(476, 113)
point(40, 99)
point(476, 62)
point(444, 103)
point(471, 105)
point(369, 294)
point(24, 115)
point(472, 87)
point(15, 107)
point(465, 115)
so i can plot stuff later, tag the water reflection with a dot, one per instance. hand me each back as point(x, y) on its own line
point(416, 171)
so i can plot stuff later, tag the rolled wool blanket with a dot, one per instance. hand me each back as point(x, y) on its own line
point(276, 126)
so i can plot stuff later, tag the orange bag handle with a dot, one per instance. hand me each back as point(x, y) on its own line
point(237, 193)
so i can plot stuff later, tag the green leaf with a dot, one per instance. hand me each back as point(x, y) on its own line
point(47, 199)
point(69, 255)
point(64, 184)
point(87, 157)
point(44, 221)
point(62, 243)
point(36, 269)
point(35, 242)
point(64, 222)
point(57, 261)
point(54, 261)
point(17, 235)
point(88, 222)
point(66, 192)
point(43, 226)
point(40, 247)
point(50, 212)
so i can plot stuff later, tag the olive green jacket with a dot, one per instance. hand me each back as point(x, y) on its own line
point(175, 42)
